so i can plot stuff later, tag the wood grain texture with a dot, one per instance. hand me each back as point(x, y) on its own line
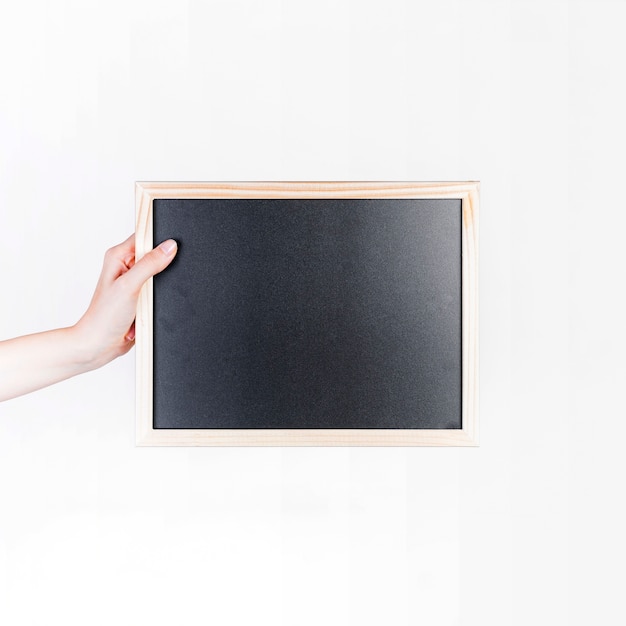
point(467, 192)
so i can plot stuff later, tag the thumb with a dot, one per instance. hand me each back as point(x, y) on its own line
point(150, 264)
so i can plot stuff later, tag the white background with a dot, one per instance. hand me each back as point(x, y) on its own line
point(526, 96)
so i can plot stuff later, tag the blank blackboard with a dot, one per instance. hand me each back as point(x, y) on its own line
point(309, 314)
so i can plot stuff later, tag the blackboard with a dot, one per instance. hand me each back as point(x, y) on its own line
point(307, 315)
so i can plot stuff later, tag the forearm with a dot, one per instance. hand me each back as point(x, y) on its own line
point(34, 361)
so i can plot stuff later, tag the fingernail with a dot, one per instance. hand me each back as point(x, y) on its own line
point(168, 246)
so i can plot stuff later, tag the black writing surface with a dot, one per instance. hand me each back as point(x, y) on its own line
point(308, 313)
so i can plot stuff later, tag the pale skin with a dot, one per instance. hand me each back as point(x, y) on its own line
point(104, 332)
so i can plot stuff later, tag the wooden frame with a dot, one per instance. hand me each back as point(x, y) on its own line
point(467, 192)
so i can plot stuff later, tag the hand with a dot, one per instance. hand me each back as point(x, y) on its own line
point(105, 332)
point(107, 329)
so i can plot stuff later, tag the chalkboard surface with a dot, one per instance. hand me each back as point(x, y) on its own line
point(342, 313)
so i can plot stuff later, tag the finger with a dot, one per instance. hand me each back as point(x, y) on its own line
point(118, 260)
point(130, 335)
point(150, 264)
point(125, 248)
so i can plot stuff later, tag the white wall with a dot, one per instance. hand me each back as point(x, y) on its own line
point(526, 96)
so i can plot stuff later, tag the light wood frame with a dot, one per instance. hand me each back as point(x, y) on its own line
point(467, 192)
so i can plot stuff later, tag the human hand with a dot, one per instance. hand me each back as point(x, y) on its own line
point(107, 329)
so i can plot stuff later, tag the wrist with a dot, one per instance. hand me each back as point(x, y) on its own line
point(85, 352)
